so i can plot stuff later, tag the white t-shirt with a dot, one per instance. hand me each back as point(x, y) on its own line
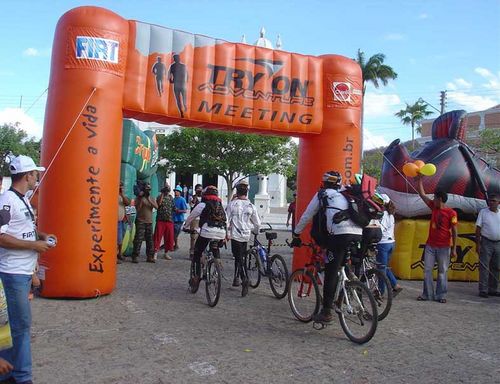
point(489, 222)
point(387, 225)
point(242, 218)
point(336, 202)
point(20, 226)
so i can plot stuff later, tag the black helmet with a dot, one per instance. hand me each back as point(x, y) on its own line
point(211, 190)
point(332, 177)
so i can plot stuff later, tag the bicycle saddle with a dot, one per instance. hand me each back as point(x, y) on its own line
point(271, 235)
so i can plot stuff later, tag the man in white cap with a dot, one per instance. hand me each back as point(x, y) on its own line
point(20, 243)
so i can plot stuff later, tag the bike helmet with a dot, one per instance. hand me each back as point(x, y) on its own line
point(332, 177)
point(211, 190)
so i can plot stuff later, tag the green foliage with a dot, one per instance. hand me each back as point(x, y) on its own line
point(229, 154)
point(14, 140)
point(490, 141)
point(412, 115)
point(374, 70)
point(372, 162)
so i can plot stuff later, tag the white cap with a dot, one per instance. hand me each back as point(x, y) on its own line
point(385, 198)
point(21, 164)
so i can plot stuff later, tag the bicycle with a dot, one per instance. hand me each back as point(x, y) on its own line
point(258, 264)
point(354, 303)
point(368, 271)
point(210, 273)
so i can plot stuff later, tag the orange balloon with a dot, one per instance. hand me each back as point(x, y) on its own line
point(419, 163)
point(410, 169)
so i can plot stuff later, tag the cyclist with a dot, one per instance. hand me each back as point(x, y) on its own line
point(213, 226)
point(340, 236)
point(242, 218)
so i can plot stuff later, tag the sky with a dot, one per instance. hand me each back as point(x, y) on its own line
point(433, 45)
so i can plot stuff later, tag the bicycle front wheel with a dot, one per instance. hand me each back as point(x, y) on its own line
point(278, 276)
point(303, 295)
point(213, 283)
point(381, 289)
point(252, 266)
point(358, 312)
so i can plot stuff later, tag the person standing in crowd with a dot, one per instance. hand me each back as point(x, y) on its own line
point(291, 212)
point(144, 205)
point(386, 245)
point(123, 201)
point(193, 202)
point(20, 243)
point(180, 209)
point(213, 225)
point(164, 222)
point(442, 229)
point(488, 247)
point(242, 218)
point(340, 235)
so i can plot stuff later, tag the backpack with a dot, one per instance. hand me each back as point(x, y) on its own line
point(361, 206)
point(213, 214)
point(319, 233)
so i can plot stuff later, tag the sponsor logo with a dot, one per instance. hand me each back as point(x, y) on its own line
point(236, 82)
point(6, 207)
point(342, 91)
point(95, 48)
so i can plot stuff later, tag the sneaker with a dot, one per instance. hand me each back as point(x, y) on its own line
point(496, 294)
point(396, 291)
point(155, 256)
point(236, 282)
point(324, 316)
point(135, 260)
point(244, 288)
point(167, 257)
point(150, 260)
point(483, 294)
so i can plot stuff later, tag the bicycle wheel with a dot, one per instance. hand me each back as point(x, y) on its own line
point(373, 280)
point(358, 312)
point(303, 295)
point(213, 283)
point(278, 276)
point(193, 288)
point(252, 263)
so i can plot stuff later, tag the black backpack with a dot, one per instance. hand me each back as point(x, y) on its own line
point(319, 233)
point(213, 214)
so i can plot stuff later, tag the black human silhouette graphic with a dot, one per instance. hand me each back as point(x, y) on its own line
point(177, 75)
point(159, 70)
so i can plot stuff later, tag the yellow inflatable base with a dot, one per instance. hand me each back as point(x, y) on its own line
point(407, 261)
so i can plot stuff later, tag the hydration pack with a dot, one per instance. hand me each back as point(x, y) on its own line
point(213, 214)
point(319, 232)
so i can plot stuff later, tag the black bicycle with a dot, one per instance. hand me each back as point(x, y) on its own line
point(258, 263)
point(210, 273)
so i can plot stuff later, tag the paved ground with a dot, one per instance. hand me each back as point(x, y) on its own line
point(151, 330)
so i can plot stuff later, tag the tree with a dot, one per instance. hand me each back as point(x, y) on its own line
point(412, 115)
point(372, 162)
point(375, 71)
point(14, 141)
point(490, 141)
point(228, 154)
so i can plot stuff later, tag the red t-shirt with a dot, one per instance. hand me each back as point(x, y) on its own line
point(442, 221)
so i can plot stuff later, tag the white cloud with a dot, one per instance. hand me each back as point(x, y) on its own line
point(378, 104)
point(458, 84)
point(371, 141)
point(484, 72)
point(423, 16)
point(27, 123)
point(394, 36)
point(31, 52)
point(471, 103)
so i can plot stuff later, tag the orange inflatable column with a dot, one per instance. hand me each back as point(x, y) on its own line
point(338, 147)
point(78, 196)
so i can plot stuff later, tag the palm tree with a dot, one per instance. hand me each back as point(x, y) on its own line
point(412, 115)
point(375, 71)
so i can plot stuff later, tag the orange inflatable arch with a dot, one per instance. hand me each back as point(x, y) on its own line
point(105, 68)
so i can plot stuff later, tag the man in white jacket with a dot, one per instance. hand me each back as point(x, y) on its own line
point(340, 235)
point(242, 219)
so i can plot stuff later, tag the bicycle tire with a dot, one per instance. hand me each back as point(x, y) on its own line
point(213, 281)
point(364, 313)
point(278, 276)
point(193, 289)
point(253, 268)
point(303, 295)
point(383, 300)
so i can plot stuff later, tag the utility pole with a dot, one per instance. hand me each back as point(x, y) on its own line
point(443, 101)
point(21, 102)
